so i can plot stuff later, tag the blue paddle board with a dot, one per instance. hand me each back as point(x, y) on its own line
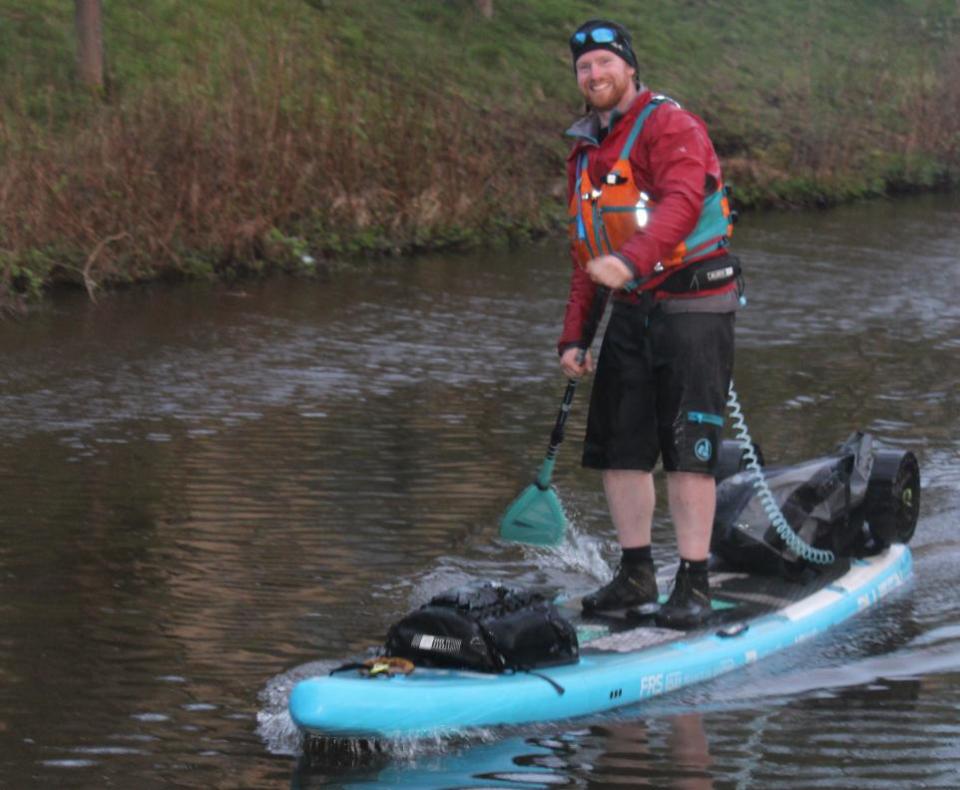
point(623, 661)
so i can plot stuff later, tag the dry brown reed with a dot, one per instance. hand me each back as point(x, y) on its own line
point(859, 131)
point(277, 160)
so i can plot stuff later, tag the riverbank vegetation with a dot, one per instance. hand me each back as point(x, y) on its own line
point(235, 136)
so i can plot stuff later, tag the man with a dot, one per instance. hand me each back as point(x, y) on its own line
point(650, 221)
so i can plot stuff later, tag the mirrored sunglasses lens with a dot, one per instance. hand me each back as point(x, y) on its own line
point(603, 35)
point(579, 38)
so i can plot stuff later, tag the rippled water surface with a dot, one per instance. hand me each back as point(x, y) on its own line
point(209, 492)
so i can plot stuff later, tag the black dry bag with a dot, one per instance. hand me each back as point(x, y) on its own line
point(485, 627)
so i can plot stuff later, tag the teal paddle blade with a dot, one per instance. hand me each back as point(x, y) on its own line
point(535, 517)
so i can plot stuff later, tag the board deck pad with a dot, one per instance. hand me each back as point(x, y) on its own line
point(735, 598)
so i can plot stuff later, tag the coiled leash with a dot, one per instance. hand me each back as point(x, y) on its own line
point(793, 541)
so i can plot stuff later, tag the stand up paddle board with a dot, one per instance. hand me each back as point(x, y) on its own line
point(624, 659)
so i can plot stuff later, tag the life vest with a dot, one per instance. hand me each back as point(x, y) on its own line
point(603, 217)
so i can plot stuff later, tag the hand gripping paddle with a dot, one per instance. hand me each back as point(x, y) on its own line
point(536, 515)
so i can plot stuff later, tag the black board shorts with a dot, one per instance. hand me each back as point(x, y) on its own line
point(660, 390)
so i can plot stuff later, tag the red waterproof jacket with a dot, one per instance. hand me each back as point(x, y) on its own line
point(671, 160)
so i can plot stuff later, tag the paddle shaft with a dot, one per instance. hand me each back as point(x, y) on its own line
point(589, 330)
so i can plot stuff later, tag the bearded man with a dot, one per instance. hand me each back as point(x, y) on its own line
point(649, 220)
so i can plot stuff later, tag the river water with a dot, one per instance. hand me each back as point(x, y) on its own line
point(211, 491)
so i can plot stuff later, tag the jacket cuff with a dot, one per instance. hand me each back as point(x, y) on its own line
point(629, 264)
point(642, 252)
point(563, 347)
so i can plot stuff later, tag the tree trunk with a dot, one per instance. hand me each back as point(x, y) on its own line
point(486, 8)
point(89, 23)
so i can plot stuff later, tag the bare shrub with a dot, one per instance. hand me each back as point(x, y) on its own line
point(133, 189)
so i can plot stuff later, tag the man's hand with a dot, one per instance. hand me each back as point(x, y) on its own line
point(610, 271)
point(569, 365)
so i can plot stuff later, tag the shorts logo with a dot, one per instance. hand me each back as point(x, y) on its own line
point(703, 449)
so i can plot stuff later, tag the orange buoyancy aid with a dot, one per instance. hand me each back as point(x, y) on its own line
point(603, 217)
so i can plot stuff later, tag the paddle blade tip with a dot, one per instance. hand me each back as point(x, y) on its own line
point(536, 517)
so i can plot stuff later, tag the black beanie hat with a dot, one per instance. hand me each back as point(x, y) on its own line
point(620, 44)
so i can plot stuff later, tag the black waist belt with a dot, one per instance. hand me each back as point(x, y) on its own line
point(703, 275)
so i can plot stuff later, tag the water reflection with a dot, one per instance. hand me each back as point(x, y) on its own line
point(672, 752)
point(512, 762)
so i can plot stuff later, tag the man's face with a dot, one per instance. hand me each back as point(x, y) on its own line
point(604, 79)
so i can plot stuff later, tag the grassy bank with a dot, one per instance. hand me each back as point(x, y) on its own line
point(236, 135)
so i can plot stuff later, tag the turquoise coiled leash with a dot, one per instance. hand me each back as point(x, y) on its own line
point(794, 542)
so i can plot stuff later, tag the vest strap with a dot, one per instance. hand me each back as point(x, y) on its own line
point(655, 102)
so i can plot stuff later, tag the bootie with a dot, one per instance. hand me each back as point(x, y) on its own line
point(688, 606)
point(632, 585)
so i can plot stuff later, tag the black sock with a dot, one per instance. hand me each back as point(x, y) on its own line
point(639, 555)
point(696, 570)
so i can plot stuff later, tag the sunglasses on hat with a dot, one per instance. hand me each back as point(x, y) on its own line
point(602, 36)
point(599, 35)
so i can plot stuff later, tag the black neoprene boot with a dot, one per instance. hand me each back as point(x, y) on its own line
point(688, 606)
point(632, 585)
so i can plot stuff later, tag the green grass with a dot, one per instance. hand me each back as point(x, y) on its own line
point(345, 126)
